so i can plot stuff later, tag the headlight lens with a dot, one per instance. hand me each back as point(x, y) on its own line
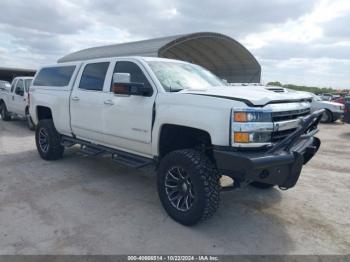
point(252, 116)
point(251, 126)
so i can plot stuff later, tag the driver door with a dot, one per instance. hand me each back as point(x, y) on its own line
point(18, 98)
point(127, 119)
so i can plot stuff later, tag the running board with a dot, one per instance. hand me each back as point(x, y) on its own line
point(118, 156)
point(91, 151)
point(131, 160)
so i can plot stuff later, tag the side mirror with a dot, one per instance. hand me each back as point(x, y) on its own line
point(123, 86)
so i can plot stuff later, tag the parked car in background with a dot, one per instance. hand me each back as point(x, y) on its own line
point(179, 117)
point(326, 97)
point(347, 109)
point(14, 101)
point(333, 110)
point(4, 85)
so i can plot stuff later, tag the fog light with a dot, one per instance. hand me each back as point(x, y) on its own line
point(241, 137)
point(253, 137)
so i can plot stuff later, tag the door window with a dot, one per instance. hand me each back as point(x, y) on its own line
point(19, 88)
point(13, 85)
point(93, 77)
point(136, 74)
point(27, 84)
point(59, 76)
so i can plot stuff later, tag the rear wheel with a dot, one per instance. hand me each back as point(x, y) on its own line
point(261, 185)
point(188, 186)
point(327, 117)
point(48, 140)
point(5, 115)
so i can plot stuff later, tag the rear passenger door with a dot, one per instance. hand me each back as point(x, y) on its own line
point(87, 101)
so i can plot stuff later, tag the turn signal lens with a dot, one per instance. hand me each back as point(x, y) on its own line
point(241, 137)
point(241, 117)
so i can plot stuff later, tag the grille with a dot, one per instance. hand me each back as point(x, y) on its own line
point(279, 135)
point(289, 115)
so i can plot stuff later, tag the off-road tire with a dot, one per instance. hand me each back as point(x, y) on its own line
point(205, 180)
point(328, 117)
point(261, 185)
point(5, 115)
point(55, 149)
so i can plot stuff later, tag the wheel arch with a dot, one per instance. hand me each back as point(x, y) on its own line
point(174, 137)
point(43, 112)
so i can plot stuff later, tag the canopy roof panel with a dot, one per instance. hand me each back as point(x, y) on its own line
point(7, 74)
point(219, 53)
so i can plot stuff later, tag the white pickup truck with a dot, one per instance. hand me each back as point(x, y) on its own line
point(14, 100)
point(179, 117)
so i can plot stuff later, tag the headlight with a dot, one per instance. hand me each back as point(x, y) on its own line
point(251, 126)
point(252, 116)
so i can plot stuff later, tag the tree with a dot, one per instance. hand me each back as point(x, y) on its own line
point(275, 83)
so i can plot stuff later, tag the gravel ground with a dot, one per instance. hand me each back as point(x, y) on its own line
point(87, 205)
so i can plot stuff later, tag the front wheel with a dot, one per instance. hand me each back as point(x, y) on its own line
point(5, 115)
point(48, 140)
point(327, 116)
point(188, 186)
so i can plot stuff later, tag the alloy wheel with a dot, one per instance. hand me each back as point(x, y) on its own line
point(179, 189)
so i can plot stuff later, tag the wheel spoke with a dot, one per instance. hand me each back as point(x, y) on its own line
point(173, 176)
point(180, 173)
point(186, 202)
point(176, 196)
point(43, 140)
point(170, 186)
point(178, 202)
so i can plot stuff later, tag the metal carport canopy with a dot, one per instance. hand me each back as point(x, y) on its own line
point(7, 74)
point(219, 53)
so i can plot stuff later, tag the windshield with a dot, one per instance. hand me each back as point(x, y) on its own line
point(27, 83)
point(178, 76)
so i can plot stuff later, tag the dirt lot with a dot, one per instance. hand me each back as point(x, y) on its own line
point(86, 205)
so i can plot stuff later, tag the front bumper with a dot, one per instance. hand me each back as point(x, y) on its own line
point(280, 165)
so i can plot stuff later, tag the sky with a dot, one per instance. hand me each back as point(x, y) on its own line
point(303, 42)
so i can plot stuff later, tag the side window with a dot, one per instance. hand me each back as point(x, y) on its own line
point(27, 84)
point(19, 88)
point(93, 76)
point(136, 74)
point(54, 76)
point(13, 85)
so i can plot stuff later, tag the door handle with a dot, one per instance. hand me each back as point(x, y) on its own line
point(108, 102)
point(75, 98)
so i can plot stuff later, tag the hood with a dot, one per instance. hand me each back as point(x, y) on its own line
point(251, 95)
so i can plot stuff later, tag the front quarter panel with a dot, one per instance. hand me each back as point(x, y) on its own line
point(209, 114)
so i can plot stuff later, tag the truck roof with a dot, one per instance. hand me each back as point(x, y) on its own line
point(23, 77)
point(140, 58)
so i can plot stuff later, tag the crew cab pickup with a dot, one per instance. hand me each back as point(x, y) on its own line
point(14, 100)
point(179, 117)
